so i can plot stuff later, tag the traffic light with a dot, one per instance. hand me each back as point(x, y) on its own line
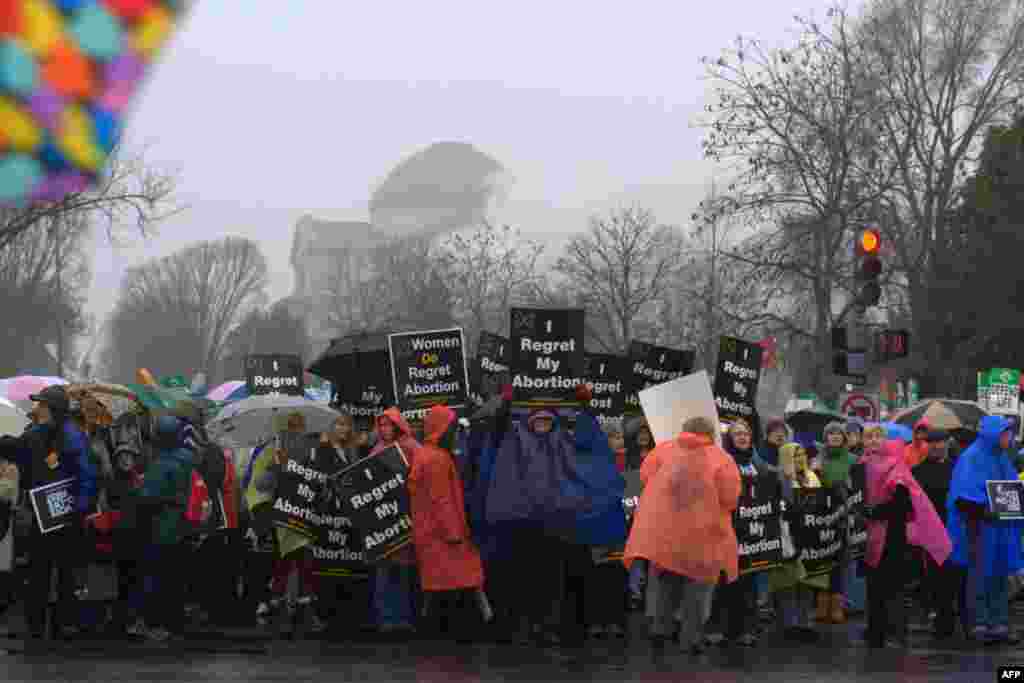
point(869, 243)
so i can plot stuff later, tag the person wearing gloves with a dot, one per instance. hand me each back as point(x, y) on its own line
point(835, 463)
point(683, 532)
point(451, 572)
point(899, 515)
point(988, 548)
point(394, 583)
point(792, 589)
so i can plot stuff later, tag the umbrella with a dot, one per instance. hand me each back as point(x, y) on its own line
point(894, 430)
point(20, 388)
point(341, 356)
point(227, 391)
point(943, 413)
point(116, 398)
point(812, 421)
point(12, 418)
point(250, 422)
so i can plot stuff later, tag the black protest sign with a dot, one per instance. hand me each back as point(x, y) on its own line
point(335, 552)
point(736, 378)
point(547, 359)
point(493, 352)
point(651, 365)
point(53, 504)
point(378, 503)
point(1004, 498)
point(428, 369)
point(607, 374)
point(274, 374)
point(816, 529)
point(476, 389)
point(857, 533)
point(296, 505)
point(758, 525)
point(371, 389)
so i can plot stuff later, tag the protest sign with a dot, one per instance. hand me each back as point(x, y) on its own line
point(428, 369)
point(816, 531)
point(274, 374)
point(377, 503)
point(295, 499)
point(736, 379)
point(651, 365)
point(493, 352)
point(334, 551)
point(547, 364)
point(630, 503)
point(667, 406)
point(1004, 498)
point(857, 532)
point(53, 504)
point(606, 373)
point(758, 525)
point(371, 390)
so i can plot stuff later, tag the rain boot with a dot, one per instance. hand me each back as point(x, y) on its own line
point(822, 615)
point(837, 613)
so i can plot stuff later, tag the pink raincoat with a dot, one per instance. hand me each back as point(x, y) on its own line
point(409, 447)
point(884, 471)
point(684, 521)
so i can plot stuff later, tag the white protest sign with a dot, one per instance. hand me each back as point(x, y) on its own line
point(667, 406)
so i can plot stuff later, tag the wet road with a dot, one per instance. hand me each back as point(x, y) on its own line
point(840, 657)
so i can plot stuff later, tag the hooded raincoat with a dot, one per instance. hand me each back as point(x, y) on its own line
point(409, 447)
point(884, 471)
point(447, 558)
point(595, 461)
point(684, 521)
point(917, 450)
point(984, 461)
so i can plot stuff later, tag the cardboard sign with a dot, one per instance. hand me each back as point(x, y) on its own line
point(816, 531)
point(377, 502)
point(857, 530)
point(652, 365)
point(428, 369)
point(1004, 498)
point(606, 373)
point(371, 390)
point(736, 378)
point(274, 374)
point(53, 504)
point(667, 406)
point(548, 360)
point(757, 521)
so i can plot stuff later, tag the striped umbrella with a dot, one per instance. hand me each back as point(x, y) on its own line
point(227, 391)
point(943, 413)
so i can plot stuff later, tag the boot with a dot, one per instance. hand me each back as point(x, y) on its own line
point(822, 615)
point(837, 615)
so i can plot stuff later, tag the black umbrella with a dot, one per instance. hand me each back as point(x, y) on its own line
point(812, 421)
point(342, 357)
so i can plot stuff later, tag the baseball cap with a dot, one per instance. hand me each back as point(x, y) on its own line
point(55, 397)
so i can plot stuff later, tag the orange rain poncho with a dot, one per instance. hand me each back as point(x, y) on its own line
point(684, 521)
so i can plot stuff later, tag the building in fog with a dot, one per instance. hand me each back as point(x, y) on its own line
point(446, 187)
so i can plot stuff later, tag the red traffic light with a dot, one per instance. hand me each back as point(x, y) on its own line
point(869, 242)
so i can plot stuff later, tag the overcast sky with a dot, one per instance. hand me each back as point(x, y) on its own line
point(272, 109)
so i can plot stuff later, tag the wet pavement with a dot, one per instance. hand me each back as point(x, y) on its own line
point(247, 655)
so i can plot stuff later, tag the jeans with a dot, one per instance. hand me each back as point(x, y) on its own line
point(669, 594)
point(992, 603)
point(393, 595)
point(637, 577)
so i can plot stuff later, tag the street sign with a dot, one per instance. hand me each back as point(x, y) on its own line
point(892, 345)
point(861, 405)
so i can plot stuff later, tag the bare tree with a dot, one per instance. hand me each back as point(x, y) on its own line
point(352, 299)
point(950, 70)
point(617, 270)
point(489, 270)
point(274, 330)
point(175, 313)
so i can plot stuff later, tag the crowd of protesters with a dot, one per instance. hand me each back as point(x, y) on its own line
point(518, 523)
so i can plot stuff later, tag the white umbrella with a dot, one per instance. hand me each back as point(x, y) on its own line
point(12, 418)
point(250, 422)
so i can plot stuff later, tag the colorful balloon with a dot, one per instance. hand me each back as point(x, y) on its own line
point(68, 71)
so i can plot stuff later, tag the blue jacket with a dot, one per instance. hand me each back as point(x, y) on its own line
point(606, 525)
point(75, 461)
point(984, 461)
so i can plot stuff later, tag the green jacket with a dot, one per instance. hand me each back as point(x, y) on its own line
point(169, 478)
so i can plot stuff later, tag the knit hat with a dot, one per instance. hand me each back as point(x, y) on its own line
point(835, 428)
point(775, 424)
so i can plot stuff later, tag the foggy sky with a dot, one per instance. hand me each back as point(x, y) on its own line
point(272, 109)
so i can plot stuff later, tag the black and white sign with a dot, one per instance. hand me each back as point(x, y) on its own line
point(428, 369)
point(607, 374)
point(274, 374)
point(378, 503)
point(652, 365)
point(857, 533)
point(1004, 498)
point(547, 361)
point(54, 504)
point(736, 378)
point(335, 551)
point(493, 352)
point(816, 531)
point(296, 499)
point(371, 390)
point(758, 526)
point(631, 497)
